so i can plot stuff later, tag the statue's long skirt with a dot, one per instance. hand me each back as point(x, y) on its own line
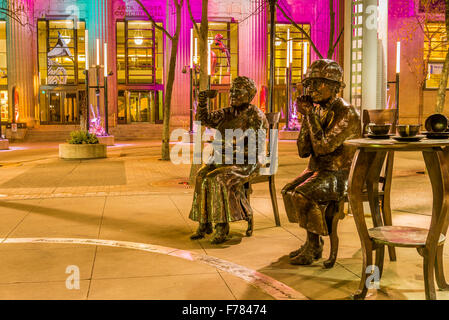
point(219, 193)
point(306, 198)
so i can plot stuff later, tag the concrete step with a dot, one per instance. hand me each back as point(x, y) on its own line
point(136, 131)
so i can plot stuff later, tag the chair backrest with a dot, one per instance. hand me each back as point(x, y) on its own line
point(379, 117)
point(273, 123)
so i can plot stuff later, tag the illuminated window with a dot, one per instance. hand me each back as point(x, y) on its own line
point(223, 40)
point(3, 57)
point(435, 49)
point(61, 52)
point(3, 74)
point(284, 32)
point(298, 41)
point(139, 53)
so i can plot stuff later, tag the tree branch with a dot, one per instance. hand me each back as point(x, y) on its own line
point(191, 18)
point(302, 30)
point(338, 39)
point(152, 20)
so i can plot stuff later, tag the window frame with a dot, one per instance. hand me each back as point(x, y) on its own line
point(153, 48)
point(75, 54)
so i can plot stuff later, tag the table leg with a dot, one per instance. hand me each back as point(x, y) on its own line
point(357, 179)
point(439, 270)
point(386, 207)
point(372, 187)
point(437, 166)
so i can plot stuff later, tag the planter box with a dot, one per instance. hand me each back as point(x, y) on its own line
point(82, 151)
point(4, 144)
point(107, 140)
point(288, 135)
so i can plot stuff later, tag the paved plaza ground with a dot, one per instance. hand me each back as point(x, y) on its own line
point(123, 223)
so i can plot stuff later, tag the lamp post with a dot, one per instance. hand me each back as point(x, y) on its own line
point(398, 70)
point(272, 60)
point(97, 87)
point(106, 116)
point(396, 82)
point(86, 71)
point(288, 78)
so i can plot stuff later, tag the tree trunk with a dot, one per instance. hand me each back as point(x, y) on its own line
point(169, 87)
point(441, 96)
point(204, 78)
point(204, 28)
point(330, 51)
point(421, 102)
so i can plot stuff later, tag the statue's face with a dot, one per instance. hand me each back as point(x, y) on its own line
point(320, 90)
point(238, 95)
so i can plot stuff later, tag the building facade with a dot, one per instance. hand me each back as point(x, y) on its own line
point(43, 56)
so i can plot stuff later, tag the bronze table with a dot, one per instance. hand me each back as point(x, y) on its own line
point(365, 170)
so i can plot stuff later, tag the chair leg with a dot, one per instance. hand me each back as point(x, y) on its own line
point(379, 262)
point(333, 237)
point(274, 201)
point(388, 221)
point(250, 228)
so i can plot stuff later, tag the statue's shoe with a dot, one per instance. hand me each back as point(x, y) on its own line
point(303, 247)
point(203, 229)
point(307, 256)
point(221, 232)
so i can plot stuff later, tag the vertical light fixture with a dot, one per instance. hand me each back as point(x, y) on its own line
point(398, 57)
point(288, 48)
point(191, 48)
point(86, 48)
point(196, 51)
point(105, 53)
point(98, 52)
point(291, 52)
point(398, 70)
point(209, 67)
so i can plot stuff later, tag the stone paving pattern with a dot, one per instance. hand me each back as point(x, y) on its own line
point(133, 196)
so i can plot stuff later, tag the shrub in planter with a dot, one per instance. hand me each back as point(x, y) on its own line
point(82, 145)
point(82, 137)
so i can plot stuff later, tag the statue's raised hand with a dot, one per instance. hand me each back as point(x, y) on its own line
point(304, 104)
point(202, 97)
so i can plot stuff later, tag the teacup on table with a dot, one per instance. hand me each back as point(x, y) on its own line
point(379, 129)
point(408, 130)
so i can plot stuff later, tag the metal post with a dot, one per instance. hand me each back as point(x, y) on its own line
point(106, 117)
point(287, 94)
point(191, 101)
point(397, 99)
point(0, 122)
point(272, 55)
point(87, 102)
point(97, 90)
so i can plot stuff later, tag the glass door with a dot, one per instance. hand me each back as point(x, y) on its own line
point(54, 107)
point(58, 107)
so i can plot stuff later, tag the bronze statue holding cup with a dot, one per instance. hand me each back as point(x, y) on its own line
point(219, 196)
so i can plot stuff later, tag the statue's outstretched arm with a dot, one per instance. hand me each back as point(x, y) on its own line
point(208, 119)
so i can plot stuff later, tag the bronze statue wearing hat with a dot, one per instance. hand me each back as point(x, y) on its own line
point(327, 121)
point(219, 195)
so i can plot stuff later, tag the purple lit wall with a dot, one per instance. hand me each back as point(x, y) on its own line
point(402, 15)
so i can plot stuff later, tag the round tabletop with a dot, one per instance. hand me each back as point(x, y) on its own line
point(391, 144)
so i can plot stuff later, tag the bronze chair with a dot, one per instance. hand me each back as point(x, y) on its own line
point(273, 121)
point(335, 210)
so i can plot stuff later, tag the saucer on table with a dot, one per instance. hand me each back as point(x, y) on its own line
point(436, 135)
point(379, 136)
point(409, 139)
